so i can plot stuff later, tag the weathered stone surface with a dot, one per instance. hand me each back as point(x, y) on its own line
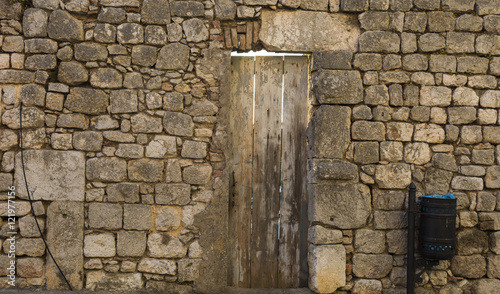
point(90, 52)
point(100, 280)
point(64, 27)
point(429, 133)
point(30, 267)
point(167, 219)
point(485, 286)
point(366, 130)
point(155, 35)
point(99, 245)
point(32, 118)
point(489, 221)
point(473, 266)
point(10, 76)
point(366, 152)
point(112, 15)
point(41, 62)
point(417, 153)
point(104, 33)
point(399, 131)
point(492, 179)
point(338, 87)
point(145, 170)
point(295, 31)
point(388, 200)
point(199, 174)
point(371, 265)
point(155, 266)
point(332, 60)
point(56, 175)
point(87, 100)
point(130, 33)
point(137, 217)
point(65, 224)
point(342, 206)
point(178, 124)
point(321, 236)
point(143, 123)
point(108, 169)
point(201, 108)
point(377, 95)
point(123, 101)
point(483, 156)
point(491, 98)
point(33, 95)
point(467, 183)
point(471, 134)
point(363, 286)
point(144, 55)
point(437, 181)
point(334, 170)
point(160, 146)
point(40, 46)
point(326, 268)
point(195, 30)
point(123, 192)
point(35, 23)
point(165, 245)
point(173, 194)
point(369, 241)
point(194, 149)
point(173, 56)
point(72, 73)
point(435, 96)
point(155, 12)
point(393, 176)
point(130, 243)
point(33, 247)
point(379, 41)
point(105, 216)
point(487, 7)
point(472, 241)
point(77, 121)
point(106, 78)
point(87, 141)
point(384, 220)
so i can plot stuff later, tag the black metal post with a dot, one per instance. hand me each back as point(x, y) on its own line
point(410, 257)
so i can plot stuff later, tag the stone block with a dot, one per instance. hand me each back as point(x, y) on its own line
point(369, 241)
point(327, 265)
point(473, 266)
point(105, 33)
point(374, 266)
point(173, 56)
point(468, 22)
point(338, 87)
point(178, 124)
point(331, 137)
point(332, 205)
point(435, 96)
point(323, 236)
point(130, 243)
point(165, 245)
point(366, 152)
point(401, 5)
point(471, 134)
point(130, 33)
point(64, 27)
point(491, 134)
point(41, 62)
point(156, 12)
point(429, 133)
point(366, 130)
point(65, 224)
point(105, 216)
point(334, 170)
point(397, 241)
point(123, 101)
point(155, 35)
point(167, 219)
point(87, 141)
point(490, 98)
point(30, 267)
point(72, 73)
point(56, 175)
point(197, 174)
point(384, 220)
point(88, 101)
point(378, 41)
point(459, 42)
point(195, 30)
point(99, 245)
point(472, 241)
point(137, 217)
point(90, 52)
point(109, 169)
point(145, 170)
point(492, 178)
point(295, 31)
point(123, 192)
point(388, 200)
point(467, 183)
point(154, 266)
point(144, 55)
point(472, 65)
point(332, 60)
point(377, 95)
point(100, 280)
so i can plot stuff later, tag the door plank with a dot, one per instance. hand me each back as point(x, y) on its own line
point(240, 124)
point(293, 171)
point(266, 171)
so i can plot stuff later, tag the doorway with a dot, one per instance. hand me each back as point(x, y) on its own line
point(268, 195)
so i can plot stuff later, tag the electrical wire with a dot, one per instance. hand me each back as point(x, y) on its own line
point(28, 192)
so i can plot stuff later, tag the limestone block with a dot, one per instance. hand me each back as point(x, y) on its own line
point(393, 176)
point(327, 265)
point(371, 265)
point(473, 266)
point(99, 245)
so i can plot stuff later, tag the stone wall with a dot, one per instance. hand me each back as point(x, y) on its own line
point(125, 122)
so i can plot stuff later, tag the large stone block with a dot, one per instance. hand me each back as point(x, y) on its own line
point(473, 267)
point(105, 216)
point(369, 241)
point(100, 280)
point(173, 194)
point(199, 174)
point(35, 23)
point(330, 128)
point(368, 130)
point(130, 243)
point(155, 12)
point(327, 264)
point(100, 245)
point(145, 170)
point(297, 31)
point(72, 73)
point(173, 56)
point(178, 124)
point(195, 30)
point(65, 224)
point(52, 175)
point(437, 181)
point(374, 266)
point(379, 41)
point(109, 169)
point(165, 245)
point(32, 117)
point(393, 176)
point(86, 100)
point(137, 217)
point(155, 266)
point(487, 7)
point(492, 179)
point(344, 206)
point(333, 170)
point(472, 241)
point(338, 87)
point(64, 27)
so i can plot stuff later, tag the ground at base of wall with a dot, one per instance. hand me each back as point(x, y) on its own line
point(229, 291)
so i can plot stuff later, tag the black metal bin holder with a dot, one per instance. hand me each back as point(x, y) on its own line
point(437, 226)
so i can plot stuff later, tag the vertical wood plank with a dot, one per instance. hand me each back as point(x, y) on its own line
point(293, 172)
point(266, 171)
point(241, 120)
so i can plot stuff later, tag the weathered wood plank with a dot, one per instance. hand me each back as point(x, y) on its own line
point(241, 120)
point(293, 170)
point(266, 171)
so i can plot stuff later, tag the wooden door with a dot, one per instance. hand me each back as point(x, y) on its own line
point(268, 205)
